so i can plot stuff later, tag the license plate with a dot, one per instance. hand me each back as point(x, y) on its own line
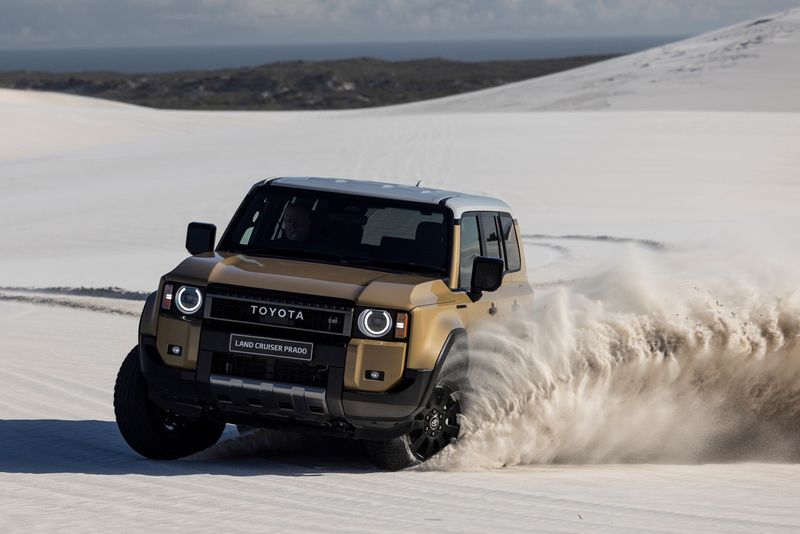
point(266, 346)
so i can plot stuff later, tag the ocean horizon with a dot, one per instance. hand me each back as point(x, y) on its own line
point(178, 58)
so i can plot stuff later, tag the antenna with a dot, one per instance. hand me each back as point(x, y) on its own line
point(419, 182)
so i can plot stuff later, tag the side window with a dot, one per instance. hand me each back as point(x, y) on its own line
point(470, 249)
point(491, 241)
point(510, 240)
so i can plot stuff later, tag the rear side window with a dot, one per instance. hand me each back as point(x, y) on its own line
point(470, 249)
point(490, 238)
point(510, 241)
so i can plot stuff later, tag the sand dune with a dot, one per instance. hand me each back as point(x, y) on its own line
point(751, 66)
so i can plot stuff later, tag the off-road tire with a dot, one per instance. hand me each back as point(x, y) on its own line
point(149, 430)
point(411, 449)
point(391, 454)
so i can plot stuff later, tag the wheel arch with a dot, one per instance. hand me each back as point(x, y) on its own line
point(449, 363)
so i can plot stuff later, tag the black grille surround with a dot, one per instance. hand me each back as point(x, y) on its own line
point(280, 311)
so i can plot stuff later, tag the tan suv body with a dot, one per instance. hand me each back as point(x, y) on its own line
point(331, 305)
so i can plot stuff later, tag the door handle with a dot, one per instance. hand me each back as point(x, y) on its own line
point(493, 310)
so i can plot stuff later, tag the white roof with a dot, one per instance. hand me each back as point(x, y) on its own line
point(458, 203)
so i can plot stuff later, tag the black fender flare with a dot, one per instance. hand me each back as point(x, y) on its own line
point(456, 339)
point(148, 321)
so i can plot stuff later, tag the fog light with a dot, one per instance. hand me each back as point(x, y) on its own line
point(374, 375)
point(175, 350)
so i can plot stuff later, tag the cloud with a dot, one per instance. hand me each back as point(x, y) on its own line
point(26, 23)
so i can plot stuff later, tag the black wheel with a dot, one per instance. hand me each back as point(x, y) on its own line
point(151, 431)
point(433, 429)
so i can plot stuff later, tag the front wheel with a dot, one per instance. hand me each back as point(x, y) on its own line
point(151, 431)
point(435, 427)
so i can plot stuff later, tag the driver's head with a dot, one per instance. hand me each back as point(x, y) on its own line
point(296, 223)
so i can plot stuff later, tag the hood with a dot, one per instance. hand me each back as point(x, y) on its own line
point(365, 287)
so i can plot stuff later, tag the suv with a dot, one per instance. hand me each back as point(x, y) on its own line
point(329, 305)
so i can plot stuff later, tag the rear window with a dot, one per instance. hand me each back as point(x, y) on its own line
point(511, 243)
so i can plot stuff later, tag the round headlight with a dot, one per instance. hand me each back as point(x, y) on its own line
point(374, 323)
point(188, 299)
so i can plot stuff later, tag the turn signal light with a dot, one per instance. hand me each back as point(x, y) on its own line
point(166, 298)
point(401, 325)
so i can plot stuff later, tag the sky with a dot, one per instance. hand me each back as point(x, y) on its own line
point(110, 23)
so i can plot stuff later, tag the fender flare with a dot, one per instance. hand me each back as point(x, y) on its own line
point(456, 338)
point(148, 322)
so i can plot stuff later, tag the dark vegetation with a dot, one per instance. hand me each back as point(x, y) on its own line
point(352, 83)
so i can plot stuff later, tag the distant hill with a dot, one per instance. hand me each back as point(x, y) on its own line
point(751, 66)
point(343, 84)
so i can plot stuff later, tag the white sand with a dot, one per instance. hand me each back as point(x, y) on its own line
point(116, 213)
point(64, 467)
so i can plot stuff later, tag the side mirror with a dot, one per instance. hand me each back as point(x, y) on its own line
point(200, 237)
point(487, 275)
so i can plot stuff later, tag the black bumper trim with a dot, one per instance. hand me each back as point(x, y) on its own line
point(394, 406)
point(269, 397)
point(169, 387)
point(196, 394)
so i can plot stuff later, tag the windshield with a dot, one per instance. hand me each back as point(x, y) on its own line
point(359, 231)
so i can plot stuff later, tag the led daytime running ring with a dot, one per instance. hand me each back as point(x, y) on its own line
point(363, 323)
point(179, 300)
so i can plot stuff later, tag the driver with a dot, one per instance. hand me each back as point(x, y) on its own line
point(296, 223)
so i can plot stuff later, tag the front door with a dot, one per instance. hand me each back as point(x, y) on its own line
point(493, 235)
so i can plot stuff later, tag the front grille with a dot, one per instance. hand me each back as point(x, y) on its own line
point(281, 312)
point(269, 369)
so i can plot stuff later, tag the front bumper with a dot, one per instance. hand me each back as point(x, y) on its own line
point(327, 407)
